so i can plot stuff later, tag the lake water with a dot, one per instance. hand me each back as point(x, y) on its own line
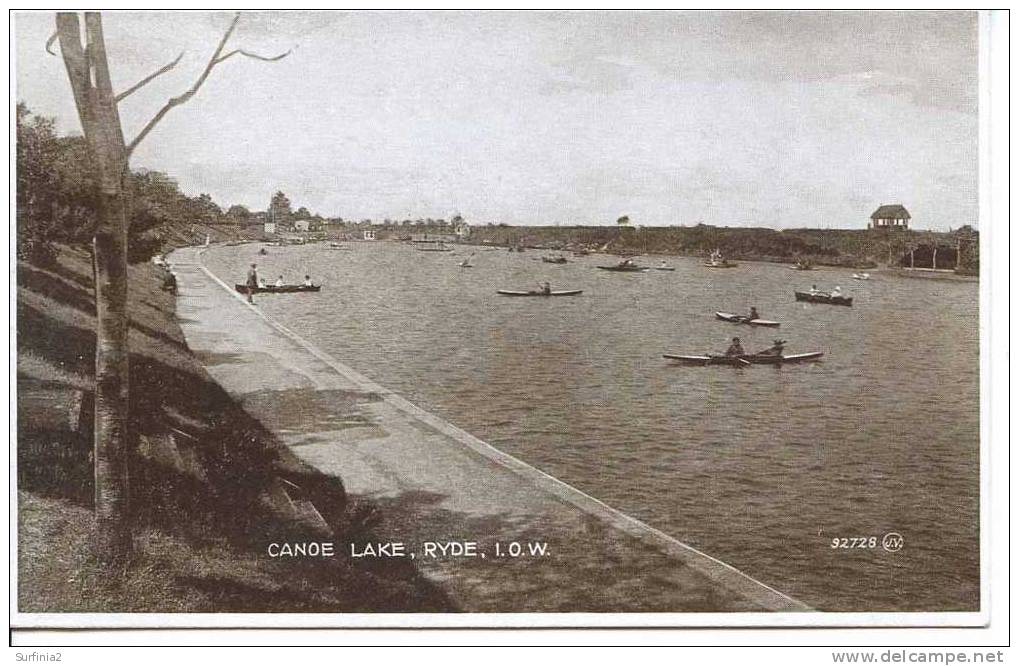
point(760, 467)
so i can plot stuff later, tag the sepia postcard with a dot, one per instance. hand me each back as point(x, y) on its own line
point(498, 319)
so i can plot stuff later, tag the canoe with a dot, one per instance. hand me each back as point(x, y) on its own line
point(285, 289)
point(625, 269)
point(746, 359)
point(554, 260)
point(510, 292)
point(720, 264)
point(824, 298)
point(664, 268)
point(435, 249)
point(740, 319)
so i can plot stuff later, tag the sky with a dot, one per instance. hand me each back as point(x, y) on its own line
point(769, 119)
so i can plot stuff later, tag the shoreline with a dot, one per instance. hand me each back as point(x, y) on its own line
point(499, 485)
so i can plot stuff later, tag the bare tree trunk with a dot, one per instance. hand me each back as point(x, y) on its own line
point(112, 438)
point(89, 75)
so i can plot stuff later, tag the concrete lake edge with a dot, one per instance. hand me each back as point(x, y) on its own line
point(715, 570)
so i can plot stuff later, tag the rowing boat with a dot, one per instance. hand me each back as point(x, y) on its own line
point(746, 359)
point(272, 289)
point(725, 263)
point(824, 298)
point(554, 260)
point(741, 319)
point(625, 269)
point(510, 292)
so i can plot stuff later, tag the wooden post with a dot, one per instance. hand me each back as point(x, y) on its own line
point(911, 251)
point(934, 259)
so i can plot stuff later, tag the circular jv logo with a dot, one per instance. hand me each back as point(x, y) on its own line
point(893, 542)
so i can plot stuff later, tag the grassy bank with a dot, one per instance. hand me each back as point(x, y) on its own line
point(202, 474)
point(854, 248)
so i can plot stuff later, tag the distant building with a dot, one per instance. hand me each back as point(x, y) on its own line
point(890, 216)
point(369, 234)
point(302, 225)
point(269, 227)
point(463, 230)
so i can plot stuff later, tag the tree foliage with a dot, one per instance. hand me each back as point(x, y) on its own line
point(56, 196)
point(279, 208)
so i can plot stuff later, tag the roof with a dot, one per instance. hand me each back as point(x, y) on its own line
point(892, 211)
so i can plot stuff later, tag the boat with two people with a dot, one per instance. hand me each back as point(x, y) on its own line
point(735, 356)
point(815, 295)
point(664, 266)
point(466, 263)
point(802, 265)
point(554, 259)
point(861, 276)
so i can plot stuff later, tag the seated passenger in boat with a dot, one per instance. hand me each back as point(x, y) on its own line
point(279, 281)
point(774, 350)
point(753, 314)
point(814, 291)
point(735, 349)
point(307, 281)
point(836, 292)
point(546, 288)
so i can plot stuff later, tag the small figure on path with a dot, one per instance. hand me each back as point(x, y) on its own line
point(252, 281)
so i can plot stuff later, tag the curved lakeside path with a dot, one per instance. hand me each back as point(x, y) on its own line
point(434, 482)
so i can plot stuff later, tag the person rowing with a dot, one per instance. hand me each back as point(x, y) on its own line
point(307, 281)
point(735, 349)
point(546, 288)
point(753, 314)
point(836, 292)
point(279, 281)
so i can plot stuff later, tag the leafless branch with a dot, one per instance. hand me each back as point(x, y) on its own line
point(180, 99)
point(248, 54)
point(162, 70)
point(49, 43)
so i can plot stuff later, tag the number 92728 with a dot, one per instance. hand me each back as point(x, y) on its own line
point(849, 543)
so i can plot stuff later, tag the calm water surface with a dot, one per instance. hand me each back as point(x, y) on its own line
point(761, 467)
